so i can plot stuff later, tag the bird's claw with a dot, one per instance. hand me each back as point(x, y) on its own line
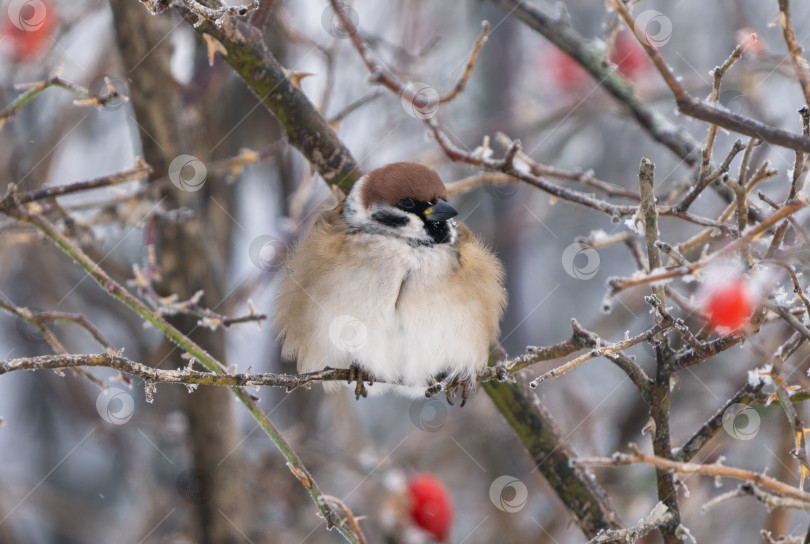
point(450, 390)
point(358, 375)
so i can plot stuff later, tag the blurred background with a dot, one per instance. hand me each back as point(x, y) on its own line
point(81, 466)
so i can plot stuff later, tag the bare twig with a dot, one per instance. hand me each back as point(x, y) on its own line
point(767, 498)
point(599, 351)
point(699, 109)
point(141, 170)
point(589, 54)
point(706, 179)
point(86, 97)
point(749, 394)
point(797, 288)
point(797, 60)
point(383, 76)
point(715, 470)
point(785, 314)
point(619, 284)
point(581, 177)
point(660, 515)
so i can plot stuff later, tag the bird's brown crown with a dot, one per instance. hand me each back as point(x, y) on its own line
point(399, 180)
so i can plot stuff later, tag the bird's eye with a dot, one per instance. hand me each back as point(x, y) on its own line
point(406, 203)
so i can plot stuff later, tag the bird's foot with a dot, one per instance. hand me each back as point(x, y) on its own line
point(357, 374)
point(464, 383)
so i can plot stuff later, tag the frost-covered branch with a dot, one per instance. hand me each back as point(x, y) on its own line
point(660, 515)
point(699, 109)
point(86, 97)
point(716, 470)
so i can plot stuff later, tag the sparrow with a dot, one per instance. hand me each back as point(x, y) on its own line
point(388, 285)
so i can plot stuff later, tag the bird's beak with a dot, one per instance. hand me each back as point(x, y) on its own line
point(441, 211)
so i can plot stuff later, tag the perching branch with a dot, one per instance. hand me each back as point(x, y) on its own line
point(186, 376)
point(501, 371)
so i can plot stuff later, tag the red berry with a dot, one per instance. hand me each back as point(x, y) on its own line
point(28, 28)
point(565, 72)
point(629, 57)
point(729, 303)
point(431, 507)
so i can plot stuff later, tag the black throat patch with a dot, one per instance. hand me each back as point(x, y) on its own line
point(439, 231)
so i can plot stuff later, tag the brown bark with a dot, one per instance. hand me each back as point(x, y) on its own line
point(185, 252)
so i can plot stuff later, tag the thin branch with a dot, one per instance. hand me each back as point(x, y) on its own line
point(599, 351)
point(580, 177)
point(761, 175)
point(797, 288)
point(386, 78)
point(748, 489)
point(717, 73)
point(141, 170)
point(581, 339)
point(707, 179)
point(619, 284)
point(589, 54)
point(87, 98)
point(749, 394)
point(38, 318)
point(454, 153)
point(478, 180)
point(660, 515)
point(715, 470)
point(170, 305)
point(185, 376)
point(468, 68)
point(699, 109)
point(336, 119)
point(649, 215)
point(741, 189)
point(797, 60)
point(785, 314)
